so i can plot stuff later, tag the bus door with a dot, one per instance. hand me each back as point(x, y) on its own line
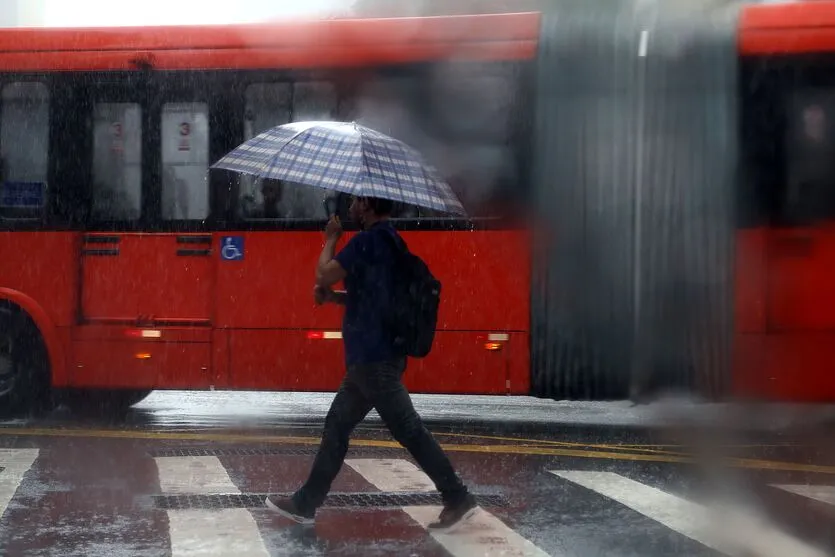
point(801, 279)
point(146, 259)
point(800, 255)
point(801, 248)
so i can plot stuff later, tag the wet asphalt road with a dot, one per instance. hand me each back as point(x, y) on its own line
point(185, 474)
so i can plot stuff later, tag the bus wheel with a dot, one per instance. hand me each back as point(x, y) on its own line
point(24, 364)
point(103, 402)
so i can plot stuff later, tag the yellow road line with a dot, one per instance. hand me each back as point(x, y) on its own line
point(489, 449)
point(653, 448)
point(645, 447)
point(749, 463)
point(550, 442)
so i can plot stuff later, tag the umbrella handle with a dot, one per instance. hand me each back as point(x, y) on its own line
point(330, 206)
point(331, 203)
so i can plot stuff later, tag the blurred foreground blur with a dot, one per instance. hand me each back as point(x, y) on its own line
point(650, 194)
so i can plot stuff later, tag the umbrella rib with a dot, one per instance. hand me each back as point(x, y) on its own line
point(402, 174)
point(334, 155)
point(308, 167)
point(268, 163)
point(365, 172)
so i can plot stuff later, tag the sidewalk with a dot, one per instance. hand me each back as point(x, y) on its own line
point(172, 407)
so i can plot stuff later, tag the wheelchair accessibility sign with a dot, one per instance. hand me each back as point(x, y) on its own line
point(232, 248)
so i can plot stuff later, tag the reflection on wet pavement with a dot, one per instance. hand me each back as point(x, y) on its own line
point(187, 476)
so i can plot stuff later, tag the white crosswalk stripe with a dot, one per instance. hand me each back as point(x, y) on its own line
point(15, 464)
point(673, 512)
point(482, 535)
point(728, 530)
point(822, 493)
point(233, 531)
point(204, 532)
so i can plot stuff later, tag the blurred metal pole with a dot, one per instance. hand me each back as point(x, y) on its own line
point(638, 99)
point(640, 365)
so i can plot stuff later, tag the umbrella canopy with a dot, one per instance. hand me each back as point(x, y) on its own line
point(343, 157)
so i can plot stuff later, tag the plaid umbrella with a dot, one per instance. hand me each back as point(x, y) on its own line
point(344, 157)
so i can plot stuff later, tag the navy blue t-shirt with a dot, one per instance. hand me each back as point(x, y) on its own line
point(368, 259)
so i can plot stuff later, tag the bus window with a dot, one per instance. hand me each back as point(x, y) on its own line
point(185, 161)
point(24, 150)
point(271, 200)
point(314, 100)
point(471, 110)
point(474, 101)
point(459, 117)
point(810, 188)
point(268, 105)
point(389, 105)
point(117, 162)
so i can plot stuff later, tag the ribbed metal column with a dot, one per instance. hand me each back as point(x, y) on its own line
point(636, 140)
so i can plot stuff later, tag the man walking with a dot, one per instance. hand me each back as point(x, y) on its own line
point(373, 378)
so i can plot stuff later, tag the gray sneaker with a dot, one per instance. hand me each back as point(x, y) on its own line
point(288, 509)
point(453, 515)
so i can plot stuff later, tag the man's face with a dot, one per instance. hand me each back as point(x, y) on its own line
point(357, 209)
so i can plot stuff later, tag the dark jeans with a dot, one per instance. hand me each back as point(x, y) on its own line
point(376, 386)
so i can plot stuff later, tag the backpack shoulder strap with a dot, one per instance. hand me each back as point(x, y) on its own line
point(396, 241)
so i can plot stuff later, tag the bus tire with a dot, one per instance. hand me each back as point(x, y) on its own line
point(104, 402)
point(24, 365)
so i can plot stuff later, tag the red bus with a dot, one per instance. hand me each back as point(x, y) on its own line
point(129, 266)
point(785, 294)
point(118, 275)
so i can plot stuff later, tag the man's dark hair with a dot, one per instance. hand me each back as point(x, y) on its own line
point(381, 207)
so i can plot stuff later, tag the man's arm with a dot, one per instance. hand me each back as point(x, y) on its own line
point(328, 270)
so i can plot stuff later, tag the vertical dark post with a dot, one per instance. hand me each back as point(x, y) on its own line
point(636, 142)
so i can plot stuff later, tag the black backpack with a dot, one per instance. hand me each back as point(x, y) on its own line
point(415, 299)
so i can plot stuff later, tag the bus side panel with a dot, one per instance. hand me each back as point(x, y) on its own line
point(485, 278)
point(280, 340)
point(519, 364)
point(750, 340)
point(460, 362)
point(113, 356)
point(141, 364)
point(465, 363)
point(284, 360)
point(787, 367)
point(221, 359)
point(62, 372)
point(750, 281)
point(43, 266)
point(790, 354)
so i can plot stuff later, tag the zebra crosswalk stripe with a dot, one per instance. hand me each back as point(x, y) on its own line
point(15, 463)
point(482, 534)
point(207, 532)
point(822, 493)
point(727, 530)
point(215, 532)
